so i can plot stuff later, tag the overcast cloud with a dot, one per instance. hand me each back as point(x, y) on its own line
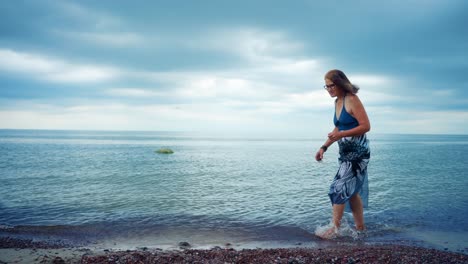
point(231, 67)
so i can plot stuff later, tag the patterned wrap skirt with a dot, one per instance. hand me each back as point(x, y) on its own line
point(351, 177)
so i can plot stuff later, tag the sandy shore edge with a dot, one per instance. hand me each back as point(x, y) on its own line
point(27, 251)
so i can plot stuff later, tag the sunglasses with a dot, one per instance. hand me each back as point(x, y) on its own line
point(330, 86)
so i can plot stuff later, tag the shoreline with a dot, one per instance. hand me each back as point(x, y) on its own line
point(15, 250)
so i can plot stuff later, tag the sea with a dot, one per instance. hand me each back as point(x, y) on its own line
point(111, 189)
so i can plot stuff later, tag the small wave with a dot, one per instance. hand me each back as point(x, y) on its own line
point(5, 227)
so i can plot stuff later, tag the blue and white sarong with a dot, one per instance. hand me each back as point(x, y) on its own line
point(351, 177)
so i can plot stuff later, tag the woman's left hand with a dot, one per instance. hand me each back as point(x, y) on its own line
point(335, 135)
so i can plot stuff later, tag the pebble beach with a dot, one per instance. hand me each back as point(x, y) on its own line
point(27, 251)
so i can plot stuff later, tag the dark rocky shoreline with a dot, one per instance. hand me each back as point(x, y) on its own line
point(366, 254)
point(28, 251)
point(10, 242)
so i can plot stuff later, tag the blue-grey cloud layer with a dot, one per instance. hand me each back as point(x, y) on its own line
point(419, 45)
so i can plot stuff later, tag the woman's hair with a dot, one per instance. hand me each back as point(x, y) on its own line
point(339, 79)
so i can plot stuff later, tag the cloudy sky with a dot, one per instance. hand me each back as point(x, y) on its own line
point(231, 67)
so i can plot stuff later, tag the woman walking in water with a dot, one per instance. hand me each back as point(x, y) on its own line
point(350, 184)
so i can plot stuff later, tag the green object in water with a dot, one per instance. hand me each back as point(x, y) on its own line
point(164, 151)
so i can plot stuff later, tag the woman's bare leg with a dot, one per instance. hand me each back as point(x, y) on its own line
point(338, 210)
point(358, 212)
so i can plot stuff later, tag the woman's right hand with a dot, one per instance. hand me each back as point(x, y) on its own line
point(319, 155)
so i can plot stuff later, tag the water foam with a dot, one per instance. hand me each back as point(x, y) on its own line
point(329, 231)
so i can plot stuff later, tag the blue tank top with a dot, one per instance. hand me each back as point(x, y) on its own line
point(346, 121)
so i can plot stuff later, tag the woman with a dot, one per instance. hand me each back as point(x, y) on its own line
point(351, 124)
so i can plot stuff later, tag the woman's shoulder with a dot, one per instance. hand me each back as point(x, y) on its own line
point(353, 99)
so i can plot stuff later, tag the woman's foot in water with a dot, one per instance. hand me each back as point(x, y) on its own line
point(328, 233)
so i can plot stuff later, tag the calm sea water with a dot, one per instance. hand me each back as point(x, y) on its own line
point(112, 186)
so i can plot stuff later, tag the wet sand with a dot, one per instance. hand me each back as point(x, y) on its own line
point(27, 251)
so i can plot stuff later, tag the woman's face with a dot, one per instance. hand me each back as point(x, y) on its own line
point(331, 87)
